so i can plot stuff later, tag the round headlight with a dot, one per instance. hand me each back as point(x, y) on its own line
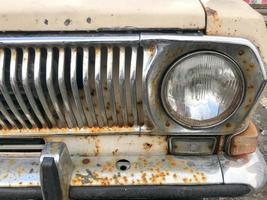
point(202, 89)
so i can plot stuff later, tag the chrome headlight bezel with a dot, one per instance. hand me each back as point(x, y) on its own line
point(206, 123)
point(168, 48)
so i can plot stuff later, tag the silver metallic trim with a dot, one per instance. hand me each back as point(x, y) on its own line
point(81, 120)
point(4, 89)
point(21, 147)
point(86, 88)
point(155, 46)
point(26, 86)
point(205, 39)
point(166, 44)
point(99, 87)
point(57, 39)
point(133, 83)
point(22, 170)
point(15, 87)
point(249, 170)
point(38, 85)
point(110, 84)
point(62, 87)
point(50, 86)
point(122, 86)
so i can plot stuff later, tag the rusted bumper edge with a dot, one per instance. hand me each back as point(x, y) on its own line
point(216, 175)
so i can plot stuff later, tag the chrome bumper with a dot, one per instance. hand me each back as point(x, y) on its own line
point(19, 171)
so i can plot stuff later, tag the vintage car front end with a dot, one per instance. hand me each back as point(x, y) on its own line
point(115, 100)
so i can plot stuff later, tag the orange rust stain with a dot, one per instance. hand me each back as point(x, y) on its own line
point(115, 152)
point(228, 125)
point(211, 12)
point(51, 131)
point(97, 147)
point(167, 124)
point(147, 146)
point(107, 167)
point(251, 87)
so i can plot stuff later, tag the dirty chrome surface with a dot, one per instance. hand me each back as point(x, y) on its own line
point(121, 78)
point(21, 171)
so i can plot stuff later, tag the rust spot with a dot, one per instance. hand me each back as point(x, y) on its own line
point(89, 20)
point(85, 161)
point(228, 125)
point(241, 52)
point(67, 22)
point(92, 92)
point(211, 12)
point(251, 87)
point(46, 21)
point(115, 152)
point(247, 107)
point(167, 124)
point(147, 146)
point(251, 65)
point(139, 103)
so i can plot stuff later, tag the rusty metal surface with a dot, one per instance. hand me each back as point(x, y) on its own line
point(233, 18)
point(171, 47)
point(22, 170)
point(102, 171)
point(146, 170)
point(160, 51)
point(113, 145)
point(68, 131)
point(19, 171)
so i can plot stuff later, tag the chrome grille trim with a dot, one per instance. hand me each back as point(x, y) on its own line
point(122, 87)
point(38, 86)
point(69, 86)
point(27, 89)
point(4, 89)
point(51, 89)
point(15, 88)
point(87, 92)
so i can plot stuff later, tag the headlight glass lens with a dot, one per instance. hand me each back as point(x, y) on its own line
point(202, 89)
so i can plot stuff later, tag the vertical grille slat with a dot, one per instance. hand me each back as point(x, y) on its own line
point(3, 86)
point(99, 88)
point(16, 90)
point(70, 86)
point(122, 84)
point(62, 87)
point(7, 115)
point(73, 79)
point(2, 123)
point(38, 86)
point(86, 88)
point(51, 88)
point(110, 85)
point(133, 83)
point(27, 89)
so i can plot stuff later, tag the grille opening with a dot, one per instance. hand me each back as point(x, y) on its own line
point(55, 88)
point(21, 144)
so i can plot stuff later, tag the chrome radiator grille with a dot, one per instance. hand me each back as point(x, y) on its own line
point(71, 86)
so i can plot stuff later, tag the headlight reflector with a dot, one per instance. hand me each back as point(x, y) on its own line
point(202, 89)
